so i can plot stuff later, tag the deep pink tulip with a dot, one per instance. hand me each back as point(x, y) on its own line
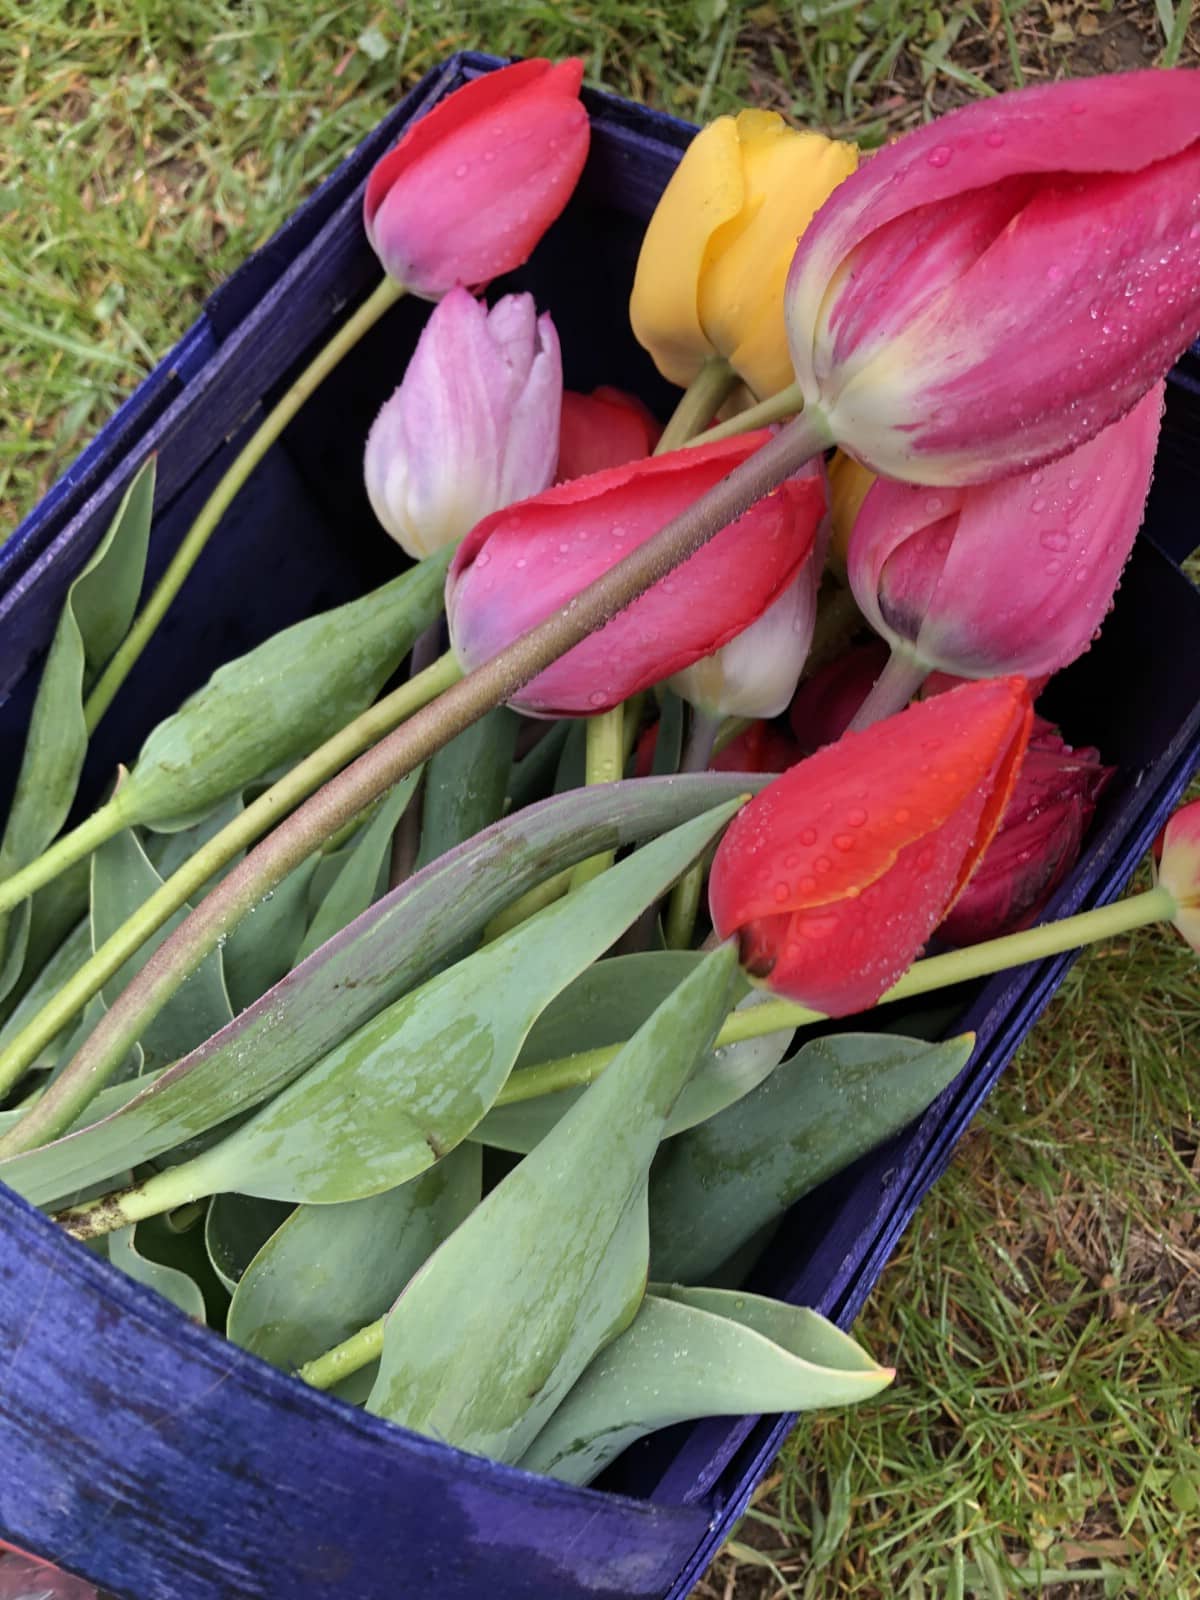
point(1037, 843)
point(522, 564)
point(995, 288)
point(473, 185)
point(824, 704)
point(1014, 576)
point(1178, 870)
point(606, 428)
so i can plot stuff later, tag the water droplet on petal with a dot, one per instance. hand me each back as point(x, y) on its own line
point(808, 836)
point(940, 155)
point(843, 841)
point(597, 697)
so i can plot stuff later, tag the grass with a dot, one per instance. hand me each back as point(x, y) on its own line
point(1044, 1310)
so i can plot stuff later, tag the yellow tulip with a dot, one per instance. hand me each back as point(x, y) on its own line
point(849, 481)
point(716, 254)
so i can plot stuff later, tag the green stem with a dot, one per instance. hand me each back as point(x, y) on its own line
point(892, 690)
point(603, 764)
point(218, 502)
point(938, 972)
point(775, 408)
point(354, 1353)
point(398, 754)
point(698, 404)
point(92, 1067)
point(684, 904)
point(103, 824)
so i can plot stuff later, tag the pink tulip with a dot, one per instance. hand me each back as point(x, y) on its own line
point(606, 428)
point(474, 184)
point(519, 566)
point(1178, 850)
point(995, 288)
point(473, 426)
point(1037, 843)
point(1011, 577)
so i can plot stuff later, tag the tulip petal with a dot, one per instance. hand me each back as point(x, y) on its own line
point(606, 428)
point(1179, 870)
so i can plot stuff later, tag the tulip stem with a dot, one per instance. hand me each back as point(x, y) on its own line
point(91, 833)
point(892, 690)
point(604, 763)
point(394, 757)
point(684, 904)
point(775, 408)
point(218, 502)
point(698, 404)
point(354, 1353)
point(93, 1065)
point(938, 972)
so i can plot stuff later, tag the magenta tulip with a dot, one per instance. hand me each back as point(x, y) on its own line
point(1010, 577)
point(521, 565)
point(473, 426)
point(995, 288)
point(474, 184)
point(1037, 843)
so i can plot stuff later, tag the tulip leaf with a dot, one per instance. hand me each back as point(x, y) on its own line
point(700, 1353)
point(122, 879)
point(532, 777)
point(668, 746)
point(265, 946)
point(108, 1100)
point(363, 874)
point(281, 700)
point(75, 949)
point(835, 1099)
point(604, 1006)
point(395, 945)
point(124, 1252)
point(466, 783)
point(571, 772)
point(409, 1085)
point(499, 1323)
point(236, 1226)
point(99, 608)
point(331, 1270)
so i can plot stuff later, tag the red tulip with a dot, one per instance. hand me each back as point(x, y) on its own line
point(474, 184)
point(1014, 576)
point(1178, 849)
point(1037, 843)
point(519, 565)
point(762, 747)
point(834, 877)
point(995, 288)
point(606, 428)
point(824, 705)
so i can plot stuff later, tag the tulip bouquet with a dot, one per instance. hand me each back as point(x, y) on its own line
point(456, 1037)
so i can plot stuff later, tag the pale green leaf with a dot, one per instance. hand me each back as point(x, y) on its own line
point(170, 1282)
point(466, 783)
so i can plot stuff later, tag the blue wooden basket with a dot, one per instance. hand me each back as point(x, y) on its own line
point(146, 1452)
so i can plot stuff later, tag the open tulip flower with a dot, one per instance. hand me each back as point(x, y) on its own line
point(997, 287)
point(473, 426)
point(1014, 576)
point(1178, 871)
point(833, 878)
point(474, 184)
point(715, 256)
point(1037, 843)
point(520, 565)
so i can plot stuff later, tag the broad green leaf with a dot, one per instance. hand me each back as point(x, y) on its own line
point(700, 1353)
point(363, 874)
point(235, 1229)
point(56, 911)
point(122, 880)
point(532, 777)
point(281, 700)
point(668, 746)
point(466, 783)
point(837, 1098)
point(331, 1270)
point(169, 851)
point(410, 1084)
point(75, 949)
point(398, 943)
point(107, 1101)
point(499, 1323)
point(571, 772)
point(170, 1282)
point(265, 946)
point(95, 618)
point(605, 1006)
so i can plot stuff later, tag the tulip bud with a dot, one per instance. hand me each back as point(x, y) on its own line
point(756, 673)
point(519, 566)
point(834, 877)
point(606, 428)
point(474, 184)
point(474, 425)
point(715, 256)
point(761, 747)
point(1178, 869)
point(1037, 843)
point(995, 288)
point(1013, 576)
